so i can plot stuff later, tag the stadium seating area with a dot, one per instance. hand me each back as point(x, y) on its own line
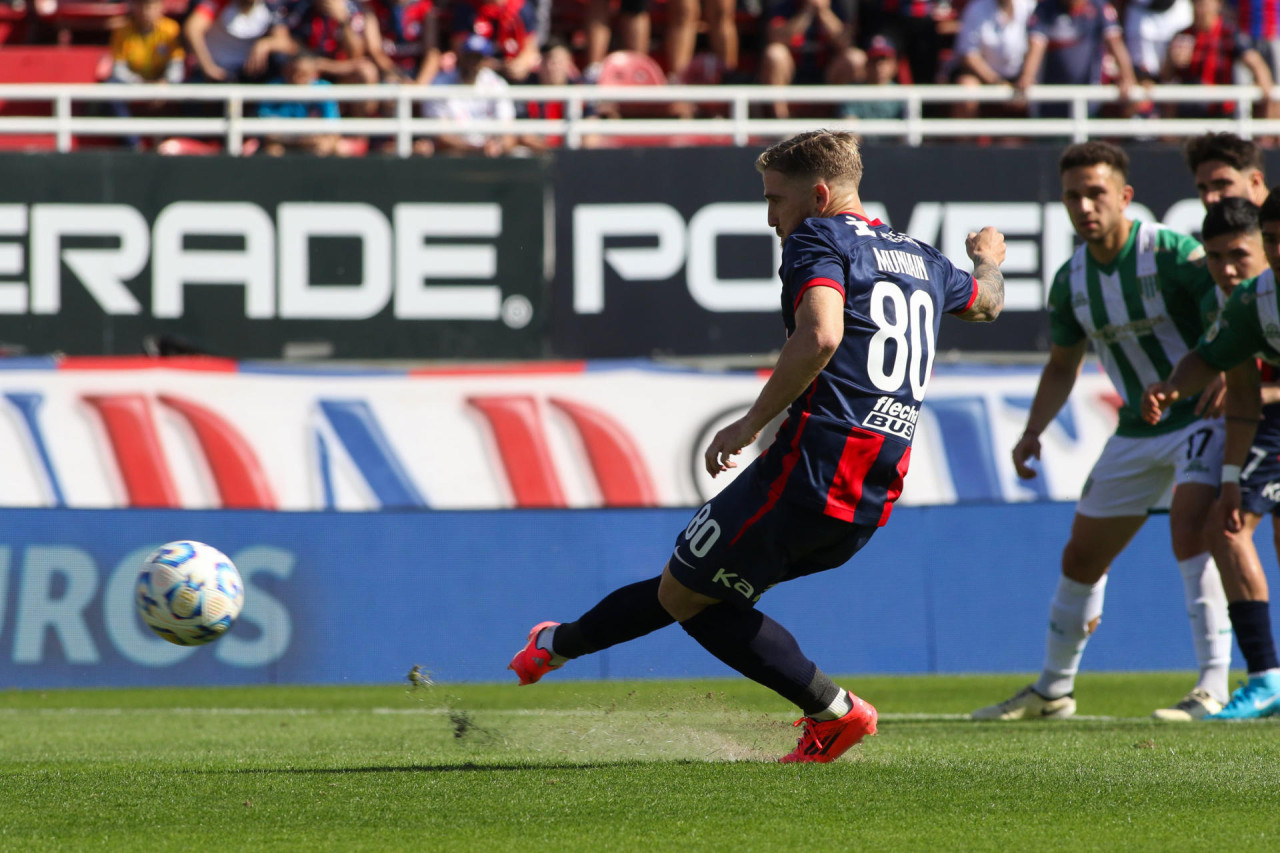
point(776, 42)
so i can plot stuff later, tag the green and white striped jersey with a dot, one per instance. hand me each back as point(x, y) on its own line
point(1142, 312)
point(1247, 326)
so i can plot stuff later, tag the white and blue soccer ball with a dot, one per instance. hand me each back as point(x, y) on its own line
point(189, 593)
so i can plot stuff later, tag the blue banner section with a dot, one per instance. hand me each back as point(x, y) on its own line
point(362, 597)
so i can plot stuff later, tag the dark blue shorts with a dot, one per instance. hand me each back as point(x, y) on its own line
point(1260, 489)
point(742, 542)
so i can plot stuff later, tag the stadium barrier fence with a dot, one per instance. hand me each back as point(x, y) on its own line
point(739, 128)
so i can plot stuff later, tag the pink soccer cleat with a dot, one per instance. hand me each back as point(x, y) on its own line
point(531, 662)
point(827, 740)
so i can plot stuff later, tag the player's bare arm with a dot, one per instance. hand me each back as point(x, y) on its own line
point(1243, 411)
point(1191, 375)
point(987, 249)
point(1213, 399)
point(1056, 381)
point(819, 330)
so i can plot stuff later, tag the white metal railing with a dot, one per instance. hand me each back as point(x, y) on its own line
point(738, 127)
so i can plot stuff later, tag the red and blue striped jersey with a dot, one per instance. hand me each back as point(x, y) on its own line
point(846, 444)
point(1259, 19)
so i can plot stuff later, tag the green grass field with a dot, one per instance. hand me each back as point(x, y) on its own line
point(652, 765)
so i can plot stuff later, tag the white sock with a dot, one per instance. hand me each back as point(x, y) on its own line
point(1210, 623)
point(839, 706)
point(1073, 616)
point(545, 638)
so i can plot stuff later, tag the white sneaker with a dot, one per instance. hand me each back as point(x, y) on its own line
point(1027, 704)
point(1196, 705)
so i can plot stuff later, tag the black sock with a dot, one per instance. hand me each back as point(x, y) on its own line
point(763, 651)
point(1252, 623)
point(624, 614)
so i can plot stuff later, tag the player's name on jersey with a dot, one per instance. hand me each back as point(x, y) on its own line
point(903, 263)
point(893, 417)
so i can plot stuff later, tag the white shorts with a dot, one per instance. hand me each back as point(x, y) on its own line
point(1134, 475)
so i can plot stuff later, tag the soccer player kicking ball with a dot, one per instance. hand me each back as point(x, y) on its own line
point(861, 305)
point(1248, 324)
point(1134, 289)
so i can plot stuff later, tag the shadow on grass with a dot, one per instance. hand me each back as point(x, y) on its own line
point(461, 767)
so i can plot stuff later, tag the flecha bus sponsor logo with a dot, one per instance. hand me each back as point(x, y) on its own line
point(893, 417)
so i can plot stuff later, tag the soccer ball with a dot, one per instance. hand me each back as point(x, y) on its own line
point(189, 593)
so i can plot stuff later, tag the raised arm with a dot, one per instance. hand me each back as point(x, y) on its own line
point(987, 250)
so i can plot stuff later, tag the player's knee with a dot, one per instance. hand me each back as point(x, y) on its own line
point(1082, 564)
point(1216, 538)
point(680, 602)
point(1188, 541)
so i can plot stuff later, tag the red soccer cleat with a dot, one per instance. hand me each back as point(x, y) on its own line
point(531, 662)
point(827, 740)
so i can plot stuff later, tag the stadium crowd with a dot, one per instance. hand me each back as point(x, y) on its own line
point(515, 43)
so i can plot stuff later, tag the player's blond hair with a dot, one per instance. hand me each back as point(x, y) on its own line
point(829, 155)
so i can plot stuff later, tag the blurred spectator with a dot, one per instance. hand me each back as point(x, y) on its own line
point(335, 31)
point(991, 46)
point(683, 18)
point(993, 41)
point(810, 41)
point(409, 36)
point(1206, 53)
point(722, 36)
point(147, 48)
point(233, 40)
point(1067, 40)
point(474, 68)
point(882, 70)
point(301, 70)
point(1260, 21)
point(510, 25)
point(556, 69)
point(1149, 26)
point(921, 27)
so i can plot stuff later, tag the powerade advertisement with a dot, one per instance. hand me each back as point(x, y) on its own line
point(363, 258)
point(585, 254)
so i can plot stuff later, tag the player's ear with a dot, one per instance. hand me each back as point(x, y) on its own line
point(821, 195)
point(1126, 195)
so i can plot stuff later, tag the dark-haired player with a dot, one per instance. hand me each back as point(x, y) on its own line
point(861, 304)
point(1247, 325)
point(1226, 166)
point(1134, 289)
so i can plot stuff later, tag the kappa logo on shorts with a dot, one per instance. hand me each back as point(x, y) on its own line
point(735, 583)
point(740, 585)
point(1271, 491)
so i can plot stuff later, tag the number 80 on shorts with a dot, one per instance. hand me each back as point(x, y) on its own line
point(702, 532)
